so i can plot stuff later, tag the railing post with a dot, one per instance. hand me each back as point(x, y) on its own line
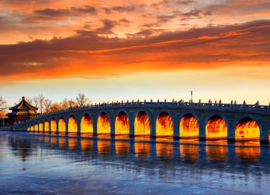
point(209, 103)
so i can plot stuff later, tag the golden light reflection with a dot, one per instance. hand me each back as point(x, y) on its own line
point(72, 144)
point(248, 150)
point(217, 152)
point(32, 128)
point(86, 145)
point(87, 124)
point(247, 129)
point(142, 149)
point(53, 125)
point(121, 147)
point(41, 126)
point(61, 125)
point(142, 124)
point(164, 125)
point(189, 126)
point(216, 128)
point(53, 140)
point(62, 142)
point(72, 125)
point(189, 152)
point(47, 139)
point(104, 147)
point(28, 128)
point(103, 125)
point(164, 149)
point(46, 126)
point(36, 127)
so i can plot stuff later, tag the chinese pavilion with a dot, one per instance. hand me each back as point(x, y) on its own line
point(22, 112)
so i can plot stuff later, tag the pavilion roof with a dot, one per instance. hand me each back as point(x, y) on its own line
point(23, 105)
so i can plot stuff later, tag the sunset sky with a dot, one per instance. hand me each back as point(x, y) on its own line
point(119, 50)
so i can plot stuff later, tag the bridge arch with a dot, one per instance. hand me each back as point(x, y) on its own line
point(266, 132)
point(32, 127)
point(189, 125)
point(36, 126)
point(216, 126)
point(247, 127)
point(142, 123)
point(72, 124)
point(46, 125)
point(41, 126)
point(28, 128)
point(103, 123)
point(87, 123)
point(53, 125)
point(61, 124)
point(164, 124)
point(122, 123)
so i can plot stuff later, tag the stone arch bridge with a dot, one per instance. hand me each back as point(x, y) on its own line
point(234, 122)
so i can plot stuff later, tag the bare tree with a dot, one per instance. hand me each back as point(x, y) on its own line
point(81, 99)
point(72, 103)
point(55, 107)
point(64, 104)
point(41, 99)
point(47, 104)
point(36, 102)
point(3, 104)
point(29, 100)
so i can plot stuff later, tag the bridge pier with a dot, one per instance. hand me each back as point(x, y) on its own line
point(202, 135)
point(131, 127)
point(176, 134)
point(152, 127)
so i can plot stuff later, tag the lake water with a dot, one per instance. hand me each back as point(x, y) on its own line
point(49, 164)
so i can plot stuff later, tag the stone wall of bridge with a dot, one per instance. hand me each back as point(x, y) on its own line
point(232, 114)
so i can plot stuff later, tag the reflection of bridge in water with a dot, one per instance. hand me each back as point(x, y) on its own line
point(188, 151)
point(206, 121)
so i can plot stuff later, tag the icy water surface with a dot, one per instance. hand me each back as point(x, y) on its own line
point(50, 164)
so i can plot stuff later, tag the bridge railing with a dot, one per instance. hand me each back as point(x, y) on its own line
point(178, 104)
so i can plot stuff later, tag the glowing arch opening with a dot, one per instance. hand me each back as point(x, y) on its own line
point(61, 125)
point(122, 124)
point(72, 124)
point(86, 124)
point(53, 125)
point(247, 129)
point(32, 127)
point(189, 126)
point(103, 124)
point(142, 124)
point(28, 128)
point(36, 127)
point(40, 126)
point(216, 128)
point(164, 125)
point(46, 126)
